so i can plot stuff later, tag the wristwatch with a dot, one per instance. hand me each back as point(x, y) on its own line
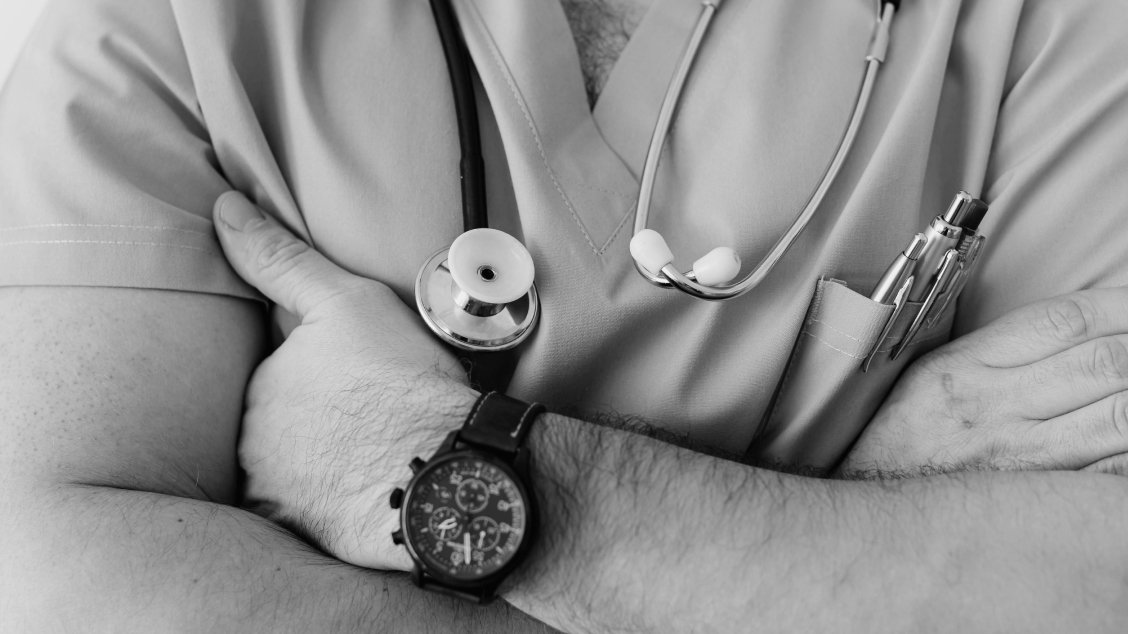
point(468, 516)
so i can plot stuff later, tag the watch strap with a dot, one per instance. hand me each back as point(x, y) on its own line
point(482, 596)
point(499, 423)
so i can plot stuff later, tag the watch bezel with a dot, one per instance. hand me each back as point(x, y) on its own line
point(527, 539)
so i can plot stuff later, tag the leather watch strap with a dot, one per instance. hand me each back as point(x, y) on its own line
point(481, 596)
point(499, 423)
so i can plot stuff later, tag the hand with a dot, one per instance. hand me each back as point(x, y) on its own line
point(1042, 387)
point(335, 414)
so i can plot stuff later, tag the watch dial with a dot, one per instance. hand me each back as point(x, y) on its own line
point(466, 518)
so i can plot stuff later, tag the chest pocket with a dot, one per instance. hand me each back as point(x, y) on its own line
point(824, 400)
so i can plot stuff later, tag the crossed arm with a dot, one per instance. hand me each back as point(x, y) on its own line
point(119, 483)
point(119, 441)
point(652, 538)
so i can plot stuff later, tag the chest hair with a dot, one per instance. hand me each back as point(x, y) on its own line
point(602, 29)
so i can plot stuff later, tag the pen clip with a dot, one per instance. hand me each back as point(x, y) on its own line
point(967, 262)
point(898, 306)
point(947, 269)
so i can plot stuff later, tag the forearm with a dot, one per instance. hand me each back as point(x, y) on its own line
point(641, 535)
point(96, 559)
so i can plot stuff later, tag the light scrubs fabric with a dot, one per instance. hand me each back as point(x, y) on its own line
point(125, 120)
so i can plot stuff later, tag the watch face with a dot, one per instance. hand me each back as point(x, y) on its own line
point(466, 517)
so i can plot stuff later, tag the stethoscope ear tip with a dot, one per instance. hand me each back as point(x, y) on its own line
point(719, 266)
point(650, 250)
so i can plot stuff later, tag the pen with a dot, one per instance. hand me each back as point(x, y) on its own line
point(948, 263)
point(971, 243)
point(900, 270)
point(967, 214)
point(894, 287)
point(943, 233)
point(898, 305)
point(932, 269)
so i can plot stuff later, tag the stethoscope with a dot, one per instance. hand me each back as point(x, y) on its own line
point(479, 294)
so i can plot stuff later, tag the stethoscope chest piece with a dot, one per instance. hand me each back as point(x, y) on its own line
point(478, 294)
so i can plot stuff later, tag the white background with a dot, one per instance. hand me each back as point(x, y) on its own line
point(16, 19)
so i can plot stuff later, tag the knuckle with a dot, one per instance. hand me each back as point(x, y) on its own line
point(277, 253)
point(1108, 361)
point(1118, 416)
point(1068, 318)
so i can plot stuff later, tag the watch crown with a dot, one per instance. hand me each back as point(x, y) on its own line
point(396, 499)
point(397, 537)
point(416, 464)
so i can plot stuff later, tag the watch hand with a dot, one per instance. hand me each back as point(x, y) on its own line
point(481, 536)
point(447, 524)
point(466, 542)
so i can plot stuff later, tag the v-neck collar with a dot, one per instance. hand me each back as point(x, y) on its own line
point(627, 109)
point(526, 55)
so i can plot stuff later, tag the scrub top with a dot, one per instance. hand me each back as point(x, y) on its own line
point(124, 121)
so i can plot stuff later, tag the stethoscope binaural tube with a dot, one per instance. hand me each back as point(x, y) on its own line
point(478, 294)
point(649, 249)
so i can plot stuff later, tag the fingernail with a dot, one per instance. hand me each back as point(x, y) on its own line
point(237, 212)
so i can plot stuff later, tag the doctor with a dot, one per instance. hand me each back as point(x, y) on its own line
point(334, 119)
point(641, 534)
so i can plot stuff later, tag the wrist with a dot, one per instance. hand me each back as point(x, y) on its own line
point(356, 519)
point(436, 411)
point(569, 477)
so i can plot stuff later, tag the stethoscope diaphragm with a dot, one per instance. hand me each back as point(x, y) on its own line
point(478, 294)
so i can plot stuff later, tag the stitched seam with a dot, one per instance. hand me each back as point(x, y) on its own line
point(496, 55)
point(597, 189)
point(146, 244)
point(50, 226)
point(817, 321)
point(524, 419)
point(816, 301)
point(832, 347)
point(477, 408)
point(622, 223)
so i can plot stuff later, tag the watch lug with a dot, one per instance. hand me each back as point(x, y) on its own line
point(489, 593)
point(521, 463)
point(416, 464)
point(417, 575)
point(448, 444)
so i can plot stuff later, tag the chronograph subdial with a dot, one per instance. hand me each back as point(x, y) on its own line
point(473, 495)
point(484, 533)
point(446, 523)
point(466, 517)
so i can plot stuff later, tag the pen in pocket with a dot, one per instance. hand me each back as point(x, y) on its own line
point(899, 271)
point(932, 269)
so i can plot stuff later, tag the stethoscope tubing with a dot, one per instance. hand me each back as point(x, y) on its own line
point(472, 170)
point(471, 166)
point(666, 112)
point(669, 276)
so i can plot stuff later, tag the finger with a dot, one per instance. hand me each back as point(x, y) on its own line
point(1045, 328)
point(1084, 436)
point(1113, 465)
point(270, 258)
point(1072, 379)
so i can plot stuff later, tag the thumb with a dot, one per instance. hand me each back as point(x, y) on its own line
point(265, 254)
